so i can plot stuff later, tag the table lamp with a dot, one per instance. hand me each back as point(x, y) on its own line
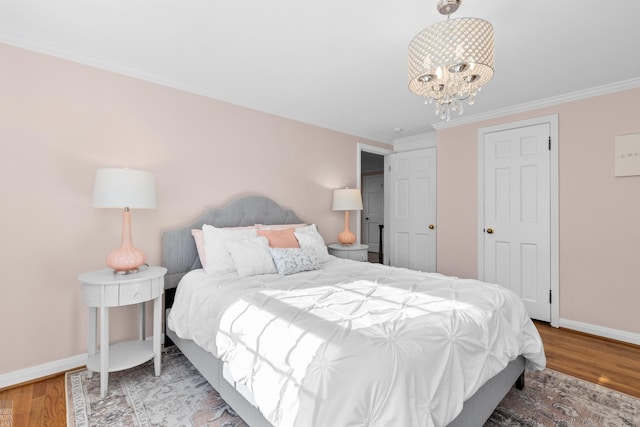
point(124, 189)
point(347, 199)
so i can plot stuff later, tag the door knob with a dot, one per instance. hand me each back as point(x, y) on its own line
point(490, 230)
point(431, 226)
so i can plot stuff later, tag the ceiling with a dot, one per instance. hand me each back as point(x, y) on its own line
point(336, 64)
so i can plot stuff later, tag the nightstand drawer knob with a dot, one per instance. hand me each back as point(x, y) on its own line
point(136, 296)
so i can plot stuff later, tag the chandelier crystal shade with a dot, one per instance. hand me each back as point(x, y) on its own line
point(450, 61)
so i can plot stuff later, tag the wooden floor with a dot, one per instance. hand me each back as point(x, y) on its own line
point(38, 403)
point(606, 362)
point(609, 363)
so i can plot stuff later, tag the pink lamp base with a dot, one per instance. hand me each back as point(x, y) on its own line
point(126, 258)
point(346, 237)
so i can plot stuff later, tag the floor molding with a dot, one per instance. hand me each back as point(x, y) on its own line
point(28, 374)
point(39, 371)
point(601, 331)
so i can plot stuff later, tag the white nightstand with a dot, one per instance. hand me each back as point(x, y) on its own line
point(103, 289)
point(356, 252)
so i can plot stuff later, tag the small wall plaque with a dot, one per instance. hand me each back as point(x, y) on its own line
point(627, 155)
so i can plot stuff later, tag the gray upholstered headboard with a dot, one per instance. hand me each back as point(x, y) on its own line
point(179, 254)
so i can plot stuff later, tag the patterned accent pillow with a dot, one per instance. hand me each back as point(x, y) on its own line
point(293, 260)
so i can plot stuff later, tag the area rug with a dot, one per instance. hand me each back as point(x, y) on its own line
point(551, 398)
point(182, 397)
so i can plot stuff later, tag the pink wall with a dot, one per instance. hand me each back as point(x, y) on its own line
point(60, 121)
point(599, 226)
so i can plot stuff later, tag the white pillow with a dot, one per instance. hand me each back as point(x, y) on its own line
point(294, 260)
point(251, 256)
point(310, 240)
point(218, 259)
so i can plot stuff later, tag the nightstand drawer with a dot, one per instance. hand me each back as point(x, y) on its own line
point(134, 293)
point(358, 255)
point(355, 252)
point(340, 254)
point(91, 295)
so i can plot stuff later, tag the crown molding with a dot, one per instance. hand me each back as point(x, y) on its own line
point(60, 53)
point(542, 103)
point(415, 142)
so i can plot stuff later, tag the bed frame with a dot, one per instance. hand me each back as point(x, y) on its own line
point(180, 256)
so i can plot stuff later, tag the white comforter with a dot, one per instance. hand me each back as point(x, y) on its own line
point(356, 344)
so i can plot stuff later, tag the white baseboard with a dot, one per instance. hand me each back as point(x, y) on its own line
point(50, 368)
point(39, 371)
point(616, 334)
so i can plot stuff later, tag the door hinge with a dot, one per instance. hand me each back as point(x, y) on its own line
point(549, 296)
point(549, 143)
point(389, 168)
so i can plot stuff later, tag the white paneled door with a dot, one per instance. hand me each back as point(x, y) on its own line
point(412, 213)
point(373, 214)
point(517, 214)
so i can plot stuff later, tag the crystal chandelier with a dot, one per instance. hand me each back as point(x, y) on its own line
point(450, 61)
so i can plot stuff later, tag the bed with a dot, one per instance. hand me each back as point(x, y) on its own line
point(346, 343)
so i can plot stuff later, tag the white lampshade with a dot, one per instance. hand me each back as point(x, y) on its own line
point(347, 199)
point(124, 188)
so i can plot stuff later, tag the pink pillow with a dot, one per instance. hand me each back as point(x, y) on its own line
point(278, 226)
point(280, 238)
point(198, 237)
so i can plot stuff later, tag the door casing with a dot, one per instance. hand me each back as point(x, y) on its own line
point(552, 120)
point(375, 150)
point(370, 235)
